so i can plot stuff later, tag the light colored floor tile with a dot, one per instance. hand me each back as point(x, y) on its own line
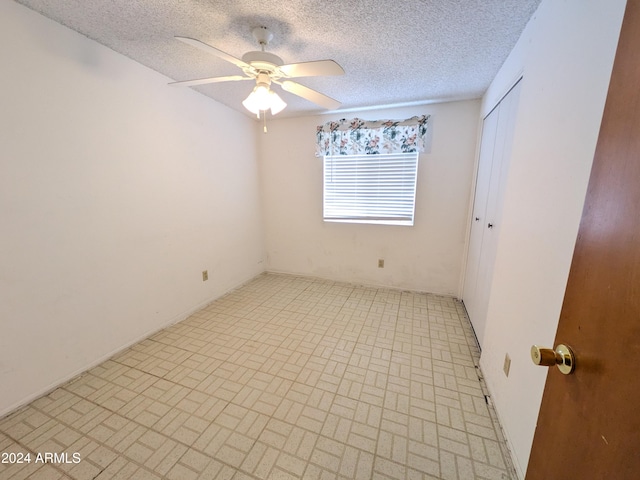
point(286, 377)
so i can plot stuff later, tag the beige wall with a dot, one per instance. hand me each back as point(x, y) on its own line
point(116, 191)
point(425, 257)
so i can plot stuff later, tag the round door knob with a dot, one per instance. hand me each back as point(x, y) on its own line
point(562, 357)
point(545, 357)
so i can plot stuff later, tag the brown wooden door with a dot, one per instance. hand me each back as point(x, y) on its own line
point(589, 421)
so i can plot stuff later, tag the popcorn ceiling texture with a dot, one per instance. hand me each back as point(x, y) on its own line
point(392, 52)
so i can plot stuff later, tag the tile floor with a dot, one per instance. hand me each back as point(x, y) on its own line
point(284, 378)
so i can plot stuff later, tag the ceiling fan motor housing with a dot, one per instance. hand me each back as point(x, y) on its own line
point(262, 61)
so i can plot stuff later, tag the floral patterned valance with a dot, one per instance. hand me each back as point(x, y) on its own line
point(357, 137)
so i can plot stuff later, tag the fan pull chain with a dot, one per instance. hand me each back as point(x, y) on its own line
point(264, 117)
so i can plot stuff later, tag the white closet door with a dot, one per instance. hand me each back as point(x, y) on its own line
point(483, 243)
point(478, 219)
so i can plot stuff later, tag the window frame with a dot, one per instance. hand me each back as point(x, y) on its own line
point(361, 195)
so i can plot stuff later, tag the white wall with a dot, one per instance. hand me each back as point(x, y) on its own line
point(425, 257)
point(566, 54)
point(116, 191)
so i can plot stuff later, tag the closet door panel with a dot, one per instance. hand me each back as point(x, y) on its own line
point(484, 240)
point(478, 218)
point(495, 200)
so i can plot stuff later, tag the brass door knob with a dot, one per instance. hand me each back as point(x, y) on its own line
point(562, 357)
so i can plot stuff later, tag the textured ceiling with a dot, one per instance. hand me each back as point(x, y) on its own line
point(392, 52)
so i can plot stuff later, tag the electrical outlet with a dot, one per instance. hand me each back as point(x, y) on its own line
point(381, 263)
point(205, 275)
point(507, 364)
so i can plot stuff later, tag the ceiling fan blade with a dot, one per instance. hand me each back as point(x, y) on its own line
point(218, 53)
point(309, 94)
point(312, 69)
point(201, 81)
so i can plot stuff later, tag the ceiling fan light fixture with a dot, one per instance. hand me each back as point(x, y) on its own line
point(263, 98)
point(277, 104)
point(258, 99)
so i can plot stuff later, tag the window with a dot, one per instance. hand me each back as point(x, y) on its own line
point(377, 188)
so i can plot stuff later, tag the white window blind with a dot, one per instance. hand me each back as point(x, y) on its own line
point(370, 188)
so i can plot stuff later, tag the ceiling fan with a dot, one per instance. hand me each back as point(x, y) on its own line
point(266, 68)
